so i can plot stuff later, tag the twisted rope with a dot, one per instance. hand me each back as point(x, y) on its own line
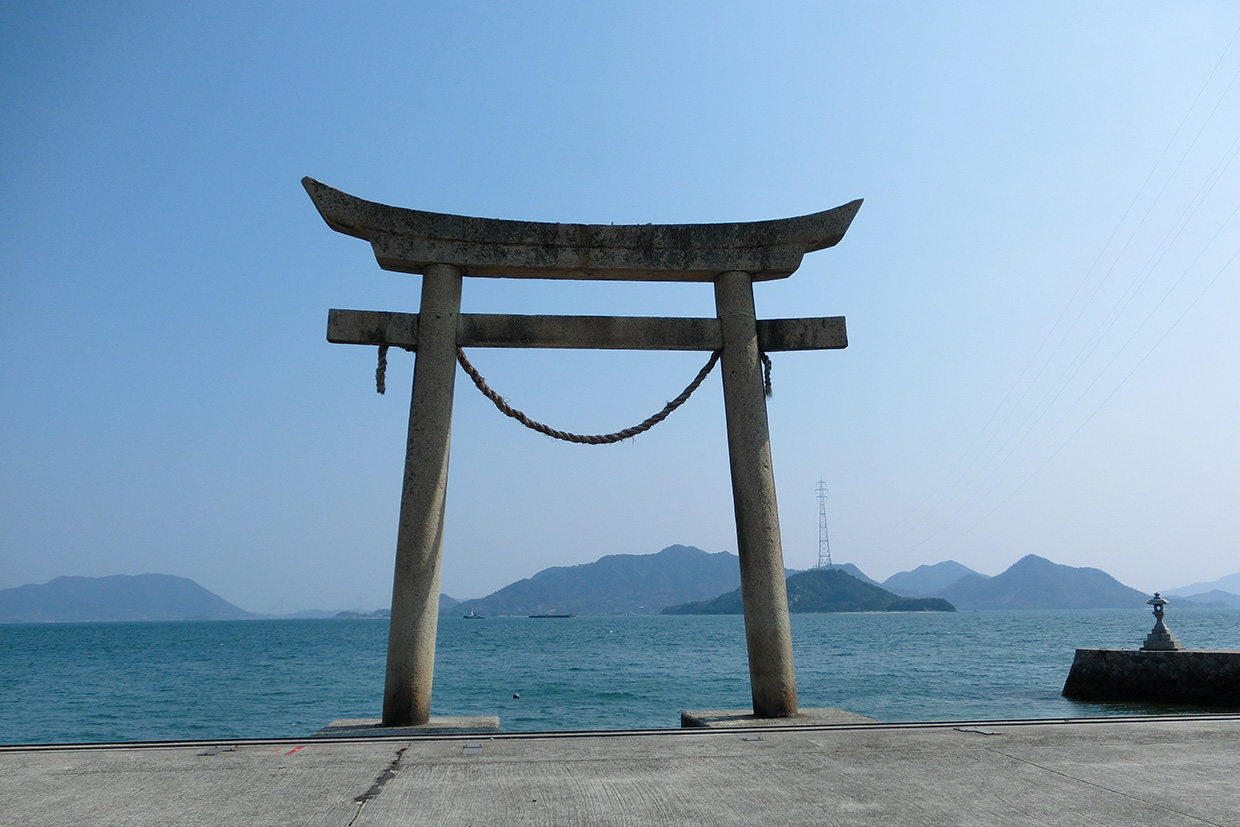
point(381, 371)
point(584, 439)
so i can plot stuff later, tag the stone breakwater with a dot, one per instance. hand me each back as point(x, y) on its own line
point(1187, 677)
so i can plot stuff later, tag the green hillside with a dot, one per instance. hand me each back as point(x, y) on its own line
point(823, 590)
point(613, 585)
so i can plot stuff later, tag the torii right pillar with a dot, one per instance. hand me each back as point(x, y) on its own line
point(764, 594)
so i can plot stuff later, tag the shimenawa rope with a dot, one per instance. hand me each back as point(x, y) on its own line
point(583, 439)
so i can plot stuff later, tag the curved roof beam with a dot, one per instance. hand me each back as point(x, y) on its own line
point(408, 241)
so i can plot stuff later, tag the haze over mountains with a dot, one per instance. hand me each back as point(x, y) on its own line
point(927, 580)
point(116, 598)
point(1036, 583)
point(615, 584)
point(645, 584)
point(1224, 591)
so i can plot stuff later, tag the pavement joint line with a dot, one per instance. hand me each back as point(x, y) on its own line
point(388, 773)
point(684, 733)
point(1153, 804)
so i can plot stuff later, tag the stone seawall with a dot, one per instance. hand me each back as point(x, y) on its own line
point(1188, 677)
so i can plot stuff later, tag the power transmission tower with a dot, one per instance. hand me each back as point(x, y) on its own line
point(824, 543)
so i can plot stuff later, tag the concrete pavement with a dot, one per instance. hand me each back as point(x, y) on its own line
point(1133, 771)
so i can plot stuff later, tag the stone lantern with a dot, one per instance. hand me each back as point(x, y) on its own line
point(1160, 637)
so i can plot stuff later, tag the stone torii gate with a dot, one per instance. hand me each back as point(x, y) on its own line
point(445, 248)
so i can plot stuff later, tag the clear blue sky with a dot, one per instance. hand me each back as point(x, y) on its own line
point(1041, 288)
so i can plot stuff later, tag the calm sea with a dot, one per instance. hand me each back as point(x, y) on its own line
point(68, 683)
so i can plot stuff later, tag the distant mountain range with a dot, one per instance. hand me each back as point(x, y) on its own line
point(928, 580)
point(857, 573)
point(1230, 584)
point(681, 575)
point(116, 598)
point(1224, 592)
point(822, 590)
point(643, 584)
point(614, 585)
point(1034, 582)
point(1213, 599)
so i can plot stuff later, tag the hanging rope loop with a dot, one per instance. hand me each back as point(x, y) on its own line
point(381, 371)
point(585, 439)
point(582, 439)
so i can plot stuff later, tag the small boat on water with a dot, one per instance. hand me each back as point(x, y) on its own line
point(472, 615)
point(553, 615)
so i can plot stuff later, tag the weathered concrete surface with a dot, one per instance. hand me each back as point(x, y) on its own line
point(741, 718)
point(826, 333)
point(437, 725)
point(1167, 772)
point(408, 241)
point(764, 594)
point(373, 327)
point(1190, 677)
point(419, 537)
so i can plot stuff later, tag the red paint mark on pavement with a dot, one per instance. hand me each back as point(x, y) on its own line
point(294, 749)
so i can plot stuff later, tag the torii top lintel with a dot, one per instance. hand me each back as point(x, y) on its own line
point(409, 241)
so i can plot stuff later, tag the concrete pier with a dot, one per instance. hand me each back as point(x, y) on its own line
point(1159, 771)
point(438, 725)
point(743, 719)
point(1187, 677)
point(1162, 671)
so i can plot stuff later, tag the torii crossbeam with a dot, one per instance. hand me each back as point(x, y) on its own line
point(446, 248)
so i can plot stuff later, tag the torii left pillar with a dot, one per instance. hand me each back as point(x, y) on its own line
point(419, 539)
